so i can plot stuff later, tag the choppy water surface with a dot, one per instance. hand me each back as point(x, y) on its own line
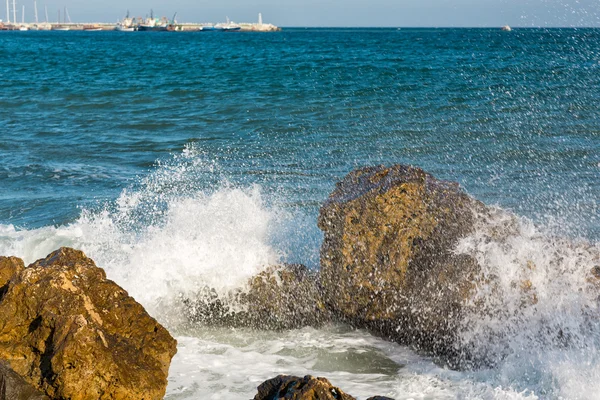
point(179, 160)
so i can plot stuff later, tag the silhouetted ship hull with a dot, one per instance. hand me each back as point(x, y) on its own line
point(146, 28)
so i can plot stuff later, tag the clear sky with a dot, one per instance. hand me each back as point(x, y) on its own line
point(396, 13)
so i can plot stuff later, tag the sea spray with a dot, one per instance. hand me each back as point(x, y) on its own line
point(535, 314)
point(169, 236)
point(172, 251)
point(219, 240)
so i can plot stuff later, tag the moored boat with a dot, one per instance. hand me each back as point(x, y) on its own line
point(122, 28)
point(127, 24)
point(153, 28)
point(228, 26)
point(152, 24)
point(207, 28)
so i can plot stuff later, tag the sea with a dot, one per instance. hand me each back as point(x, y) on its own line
point(184, 160)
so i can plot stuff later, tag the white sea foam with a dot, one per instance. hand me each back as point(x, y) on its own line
point(168, 236)
point(537, 318)
point(230, 364)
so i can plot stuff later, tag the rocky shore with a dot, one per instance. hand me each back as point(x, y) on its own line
point(388, 265)
point(70, 333)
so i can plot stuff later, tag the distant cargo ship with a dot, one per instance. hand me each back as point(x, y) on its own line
point(150, 26)
point(157, 25)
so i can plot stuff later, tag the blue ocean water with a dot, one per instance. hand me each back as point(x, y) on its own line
point(212, 151)
point(512, 116)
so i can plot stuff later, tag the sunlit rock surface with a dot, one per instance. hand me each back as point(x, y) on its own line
point(73, 334)
point(387, 260)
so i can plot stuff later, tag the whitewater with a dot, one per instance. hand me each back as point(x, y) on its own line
point(164, 239)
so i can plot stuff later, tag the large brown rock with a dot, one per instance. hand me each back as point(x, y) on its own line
point(281, 297)
point(387, 260)
point(74, 334)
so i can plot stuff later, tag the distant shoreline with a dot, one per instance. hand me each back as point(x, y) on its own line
point(104, 26)
point(253, 27)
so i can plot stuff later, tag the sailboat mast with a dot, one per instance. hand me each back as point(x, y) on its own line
point(23, 15)
point(35, 11)
point(46, 10)
point(7, 12)
point(14, 12)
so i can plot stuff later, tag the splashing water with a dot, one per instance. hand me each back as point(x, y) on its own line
point(169, 236)
point(535, 312)
point(185, 226)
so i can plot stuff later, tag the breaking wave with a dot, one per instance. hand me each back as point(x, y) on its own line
point(170, 235)
point(186, 226)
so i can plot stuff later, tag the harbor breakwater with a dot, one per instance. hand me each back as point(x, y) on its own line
point(103, 26)
point(183, 27)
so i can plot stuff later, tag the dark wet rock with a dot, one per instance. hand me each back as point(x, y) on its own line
point(380, 398)
point(13, 387)
point(73, 334)
point(387, 260)
point(287, 387)
point(285, 297)
point(281, 297)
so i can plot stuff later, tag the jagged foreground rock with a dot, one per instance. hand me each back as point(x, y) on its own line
point(287, 387)
point(281, 297)
point(73, 334)
point(387, 262)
